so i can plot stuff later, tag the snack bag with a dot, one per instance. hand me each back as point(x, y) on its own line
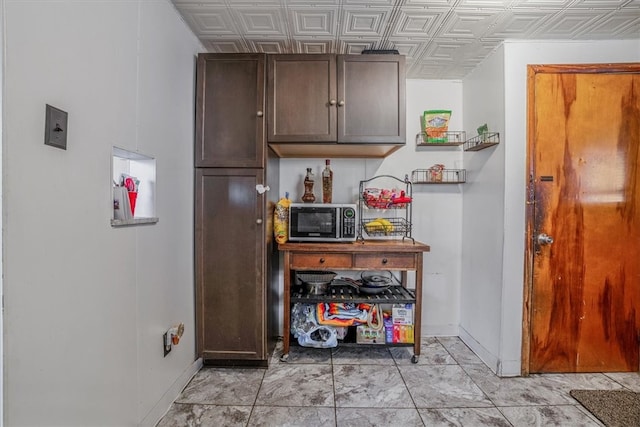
point(436, 125)
point(281, 219)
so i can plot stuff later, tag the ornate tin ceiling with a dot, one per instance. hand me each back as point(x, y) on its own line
point(442, 39)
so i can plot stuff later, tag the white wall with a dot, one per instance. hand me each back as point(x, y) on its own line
point(482, 229)
point(1, 209)
point(437, 209)
point(86, 304)
point(506, 296)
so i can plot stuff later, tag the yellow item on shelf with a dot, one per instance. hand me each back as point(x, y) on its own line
point(281, 219)
point(379, 225)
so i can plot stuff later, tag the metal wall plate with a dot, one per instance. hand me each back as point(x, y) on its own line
point(55, 127)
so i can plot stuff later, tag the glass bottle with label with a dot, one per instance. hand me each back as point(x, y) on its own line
point(308, 196)
point(327, 182)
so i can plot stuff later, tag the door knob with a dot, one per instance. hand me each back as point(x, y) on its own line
point(340, 103)
point(544, 239)
point(260, 114)
point(258, 221)
point(262, 188)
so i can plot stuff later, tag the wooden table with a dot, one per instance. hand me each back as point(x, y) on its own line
point(398, 255)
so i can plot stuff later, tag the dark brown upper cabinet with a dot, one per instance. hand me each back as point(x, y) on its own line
point(335, 106)
point(230, 118)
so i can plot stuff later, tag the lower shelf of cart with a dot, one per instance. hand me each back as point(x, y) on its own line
point(351, 336)
point(341, 343)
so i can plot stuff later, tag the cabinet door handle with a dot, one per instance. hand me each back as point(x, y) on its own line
point(260, 114)
point(384, 260)
point(332, 102)
point(258, 221)
point(341, 103)
point(321, 260)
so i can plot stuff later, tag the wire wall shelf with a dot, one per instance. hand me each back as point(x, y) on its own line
point(435, 176)
point(481, 142)
point(442, 139)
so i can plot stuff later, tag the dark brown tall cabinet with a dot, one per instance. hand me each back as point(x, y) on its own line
point(236, 260)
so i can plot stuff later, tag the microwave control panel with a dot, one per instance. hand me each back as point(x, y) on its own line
point(348, 222)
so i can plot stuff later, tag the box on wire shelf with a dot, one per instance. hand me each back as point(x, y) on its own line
point(367, 335)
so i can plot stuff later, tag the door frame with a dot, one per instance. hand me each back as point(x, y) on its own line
point(532, 71)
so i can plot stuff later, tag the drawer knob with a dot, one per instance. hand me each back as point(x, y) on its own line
point(321, 260)
point(384, 260)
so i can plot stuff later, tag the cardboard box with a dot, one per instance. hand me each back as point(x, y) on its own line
point(403, 334)
point(402, 314)
point(366, 335)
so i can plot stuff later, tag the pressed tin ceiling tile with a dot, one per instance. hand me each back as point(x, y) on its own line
point(272, 46)
point(312, 21)
point(364, 22)
point(224, 46)
point(313, 46)
point(440, 38)
point(419, 23)
point(617, 23)
point(263, 22)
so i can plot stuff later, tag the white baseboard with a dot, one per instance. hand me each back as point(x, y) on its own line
point(163, 405)
point(439, 330)
point(510, 368)
point(489, 359)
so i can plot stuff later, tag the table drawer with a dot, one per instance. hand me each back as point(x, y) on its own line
point(385, 261)
point(320, 260)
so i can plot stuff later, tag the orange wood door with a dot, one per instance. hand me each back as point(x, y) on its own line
point(584, 138)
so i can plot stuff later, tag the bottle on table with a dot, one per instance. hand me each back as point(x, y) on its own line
point(308, 196)
point(327, 182)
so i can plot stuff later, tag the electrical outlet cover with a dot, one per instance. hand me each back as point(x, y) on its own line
point(55, 127)
point(166, 348)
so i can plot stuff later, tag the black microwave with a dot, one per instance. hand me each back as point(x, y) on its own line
point(322, 222)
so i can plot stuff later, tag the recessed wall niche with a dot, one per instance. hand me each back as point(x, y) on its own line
point(132, 172)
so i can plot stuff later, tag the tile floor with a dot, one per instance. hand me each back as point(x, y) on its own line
point(371, 386)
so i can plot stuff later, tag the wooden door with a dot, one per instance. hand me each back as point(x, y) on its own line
point(371, 99)
point(230, 110)
point(301, 98)
point(584, 138)
point(230, 264)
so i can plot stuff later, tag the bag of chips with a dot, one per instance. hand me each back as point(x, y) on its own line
point(436, 125)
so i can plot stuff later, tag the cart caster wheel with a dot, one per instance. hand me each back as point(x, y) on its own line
point(414, 358)
point(284, 357)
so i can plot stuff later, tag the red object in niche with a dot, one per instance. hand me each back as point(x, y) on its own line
point(133, 195)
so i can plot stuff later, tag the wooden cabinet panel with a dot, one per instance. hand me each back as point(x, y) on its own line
point(371, 99)
point(300, 91)
point(320, 100)
point(235, 261)
point(399, 254)
point(230, 110)
point(321, 260)
point(385, 261)
point(230, 264)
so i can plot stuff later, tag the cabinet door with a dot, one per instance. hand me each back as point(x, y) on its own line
point(371, 99)
point(301, 98)
point(230, 264)
point(230, 110)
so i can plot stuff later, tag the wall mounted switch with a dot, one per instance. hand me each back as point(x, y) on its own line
point(55, 127)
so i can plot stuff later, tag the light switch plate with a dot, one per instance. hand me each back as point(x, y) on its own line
point(55, 128)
